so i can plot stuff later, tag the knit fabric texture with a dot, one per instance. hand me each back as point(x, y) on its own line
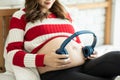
point(26, 38)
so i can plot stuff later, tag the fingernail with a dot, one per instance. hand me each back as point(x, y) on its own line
point(67, 59)
point(67, 55)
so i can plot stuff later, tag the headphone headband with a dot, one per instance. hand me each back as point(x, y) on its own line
point(62, 47)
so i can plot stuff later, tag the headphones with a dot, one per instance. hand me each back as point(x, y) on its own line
point(87, 50)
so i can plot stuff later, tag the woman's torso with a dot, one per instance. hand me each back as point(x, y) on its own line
point(38, 33)
point(74, 51)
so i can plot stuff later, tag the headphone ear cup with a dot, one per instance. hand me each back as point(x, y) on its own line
point(87, 51)
point(64, 51)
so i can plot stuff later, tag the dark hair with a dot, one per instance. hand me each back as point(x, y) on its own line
point(34, 11)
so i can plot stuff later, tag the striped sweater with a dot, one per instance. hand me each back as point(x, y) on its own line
point(26, 38)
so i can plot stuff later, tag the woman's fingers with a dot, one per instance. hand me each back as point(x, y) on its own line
point(63, 61)
point(56, 60)
point(92, 56)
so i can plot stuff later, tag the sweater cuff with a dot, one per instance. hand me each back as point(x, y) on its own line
point(39, 60)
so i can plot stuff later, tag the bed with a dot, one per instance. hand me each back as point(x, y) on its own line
point(5, 15)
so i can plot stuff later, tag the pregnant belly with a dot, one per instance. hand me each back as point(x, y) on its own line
point(74, 51)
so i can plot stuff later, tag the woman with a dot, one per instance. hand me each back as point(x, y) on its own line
point(35, 34)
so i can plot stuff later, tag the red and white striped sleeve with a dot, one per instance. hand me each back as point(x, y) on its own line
point(15, 44)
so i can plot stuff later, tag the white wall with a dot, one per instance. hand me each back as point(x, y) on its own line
point(116, 23)
point(11, 4)
point(88, 19)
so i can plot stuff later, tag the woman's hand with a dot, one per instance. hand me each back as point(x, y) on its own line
point(92, 56)
point(54, 60)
